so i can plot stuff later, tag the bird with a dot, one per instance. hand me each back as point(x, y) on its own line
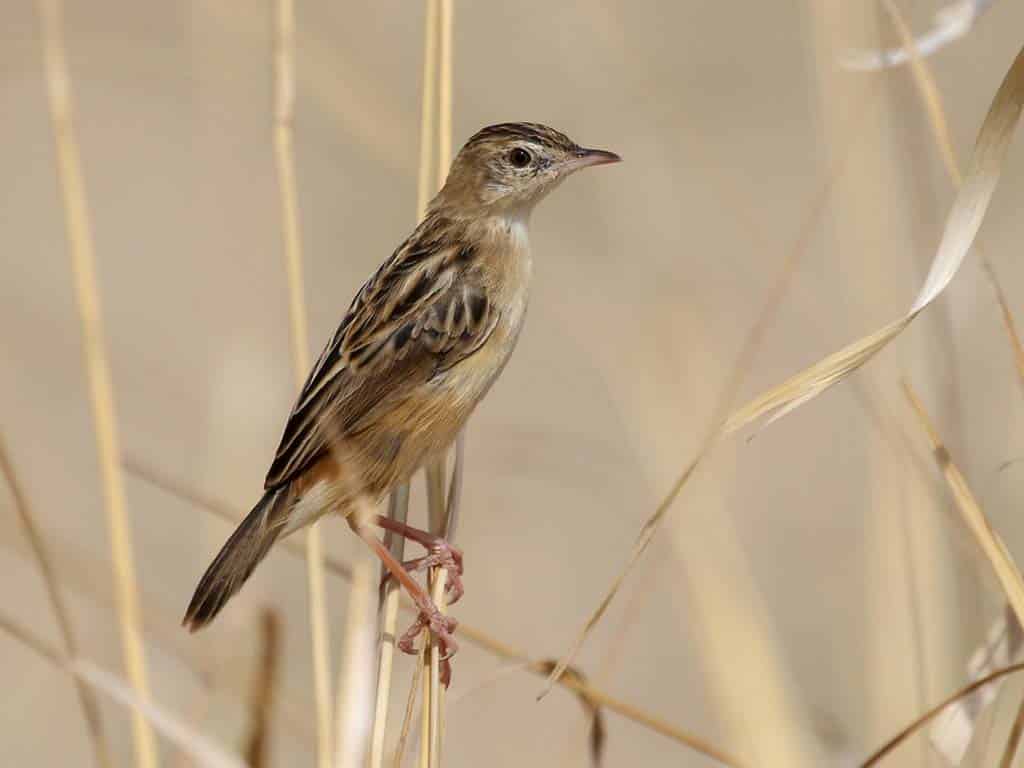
point(418, 348)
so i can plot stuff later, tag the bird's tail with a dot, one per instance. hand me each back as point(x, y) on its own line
point(238, 557)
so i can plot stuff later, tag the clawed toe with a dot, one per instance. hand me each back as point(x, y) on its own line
point(442, 627)
point(440, 554)
point(444, 556)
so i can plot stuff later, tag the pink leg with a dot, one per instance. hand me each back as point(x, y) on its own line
point(442, 626)
point(439, 553)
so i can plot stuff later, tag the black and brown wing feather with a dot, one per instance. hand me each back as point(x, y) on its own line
point(418, 315)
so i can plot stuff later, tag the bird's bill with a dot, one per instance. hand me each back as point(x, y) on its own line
point(584, 158)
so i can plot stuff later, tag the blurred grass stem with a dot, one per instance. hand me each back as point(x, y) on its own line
point(284, 155)
point(83, 264)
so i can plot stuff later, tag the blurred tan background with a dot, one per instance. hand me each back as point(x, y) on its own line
point(812, 590)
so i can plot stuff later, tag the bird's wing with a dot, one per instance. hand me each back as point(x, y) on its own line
point(415, 317)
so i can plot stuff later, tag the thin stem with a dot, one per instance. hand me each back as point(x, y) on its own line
point(284, 155)
point(398, 509)
point(876, 756)
point(355, 686)
point(264, 692)
point(423, 188)
point(101, 391)
point(433, 691)
point(90, 708)
point(1013, 741)
point(410, 706)
point(400, 497)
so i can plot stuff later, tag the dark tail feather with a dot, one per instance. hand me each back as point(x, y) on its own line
point(238, 557)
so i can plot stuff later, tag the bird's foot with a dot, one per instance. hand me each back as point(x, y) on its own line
point(442, 627)
point(440, 554)
point(446, 557)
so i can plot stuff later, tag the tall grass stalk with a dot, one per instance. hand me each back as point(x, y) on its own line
point(284, 155)
point(101, 391)
point(399, 506)
point(355, 687)
point(991, 544)
point(433, 690)
point(953, 732)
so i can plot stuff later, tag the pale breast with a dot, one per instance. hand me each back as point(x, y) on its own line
point(503, 270)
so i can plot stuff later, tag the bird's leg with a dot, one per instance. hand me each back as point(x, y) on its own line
point(439, 553)
point(429, 615)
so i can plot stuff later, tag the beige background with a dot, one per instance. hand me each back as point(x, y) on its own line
point(813, 589)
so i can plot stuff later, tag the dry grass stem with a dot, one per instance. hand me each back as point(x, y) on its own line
point(83, 264)
point(962, 224)
point(639, 546)
point(991, 544)
point(400, 497)
point(264, 691)
point(410, 708)
point(355, 688)
point(204, 752)
point(953, 730)
point(876, 757)
point(951, 23)
point(1008, 323)
point(398, 509)
point(90, 709)
point(284, 155)
point(737, 375)
point(1013, 740)
point(952, 734)
point(591, 709)
point(930, 93)
point(190, 741)
point(424, 188)
point(467, 632)
point(444, 93)
point(438, 508)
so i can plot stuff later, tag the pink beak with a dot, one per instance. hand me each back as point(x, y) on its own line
point(583, 158)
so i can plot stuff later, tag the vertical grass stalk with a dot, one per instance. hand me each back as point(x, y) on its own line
point(355, 686)
point(284, 154)
point(399, 504)
point(433, 690)
point(83, 265)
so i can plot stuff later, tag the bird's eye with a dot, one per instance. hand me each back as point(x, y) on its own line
point(519, 157)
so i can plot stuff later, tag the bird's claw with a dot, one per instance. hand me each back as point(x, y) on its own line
point(440, 554)
point(442, 627)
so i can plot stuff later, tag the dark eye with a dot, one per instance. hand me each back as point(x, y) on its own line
point(519, 157)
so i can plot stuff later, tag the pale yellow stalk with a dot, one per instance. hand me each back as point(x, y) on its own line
point(355, 686)
point(389, 609)
point(988, 539)
point(101, 391)
point(433, 691)
point(284, 106)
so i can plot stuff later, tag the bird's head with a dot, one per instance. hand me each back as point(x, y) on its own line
point(512, 166)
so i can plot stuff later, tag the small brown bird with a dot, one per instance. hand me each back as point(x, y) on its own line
point(423, 341)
